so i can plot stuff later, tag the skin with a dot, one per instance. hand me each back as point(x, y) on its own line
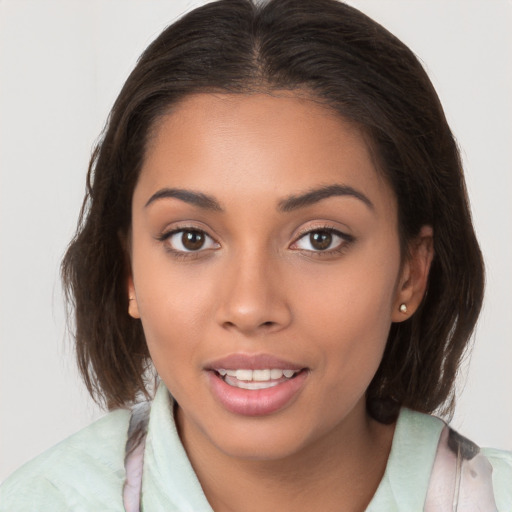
point(259, 286)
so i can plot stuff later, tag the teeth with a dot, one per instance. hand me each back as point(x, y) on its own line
point(261, 375)
point(243, 374)
point(275, 373)
point(253, 384)
point(265, 375)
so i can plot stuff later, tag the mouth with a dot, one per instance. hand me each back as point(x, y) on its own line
point(255, 385)
point(256, 379)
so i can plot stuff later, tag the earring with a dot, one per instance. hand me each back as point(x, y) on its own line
point(402, 308)
point(131, 298)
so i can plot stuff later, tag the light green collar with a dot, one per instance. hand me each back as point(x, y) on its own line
point(170, 484)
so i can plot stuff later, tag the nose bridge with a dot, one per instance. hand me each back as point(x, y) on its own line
point(253, 297)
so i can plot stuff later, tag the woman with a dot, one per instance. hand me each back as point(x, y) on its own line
point(277, 221)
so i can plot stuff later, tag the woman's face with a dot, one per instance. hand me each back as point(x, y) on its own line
point(266, 270)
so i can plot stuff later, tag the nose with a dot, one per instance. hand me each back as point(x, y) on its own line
point(253, 298)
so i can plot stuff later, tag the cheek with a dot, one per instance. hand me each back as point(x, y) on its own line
point(351, 334)
point(172, 331)
point(349, 315)
point(357, 295)
point(171, 319)
point(172, 305)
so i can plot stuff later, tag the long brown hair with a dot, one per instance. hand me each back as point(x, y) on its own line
point(365, 74)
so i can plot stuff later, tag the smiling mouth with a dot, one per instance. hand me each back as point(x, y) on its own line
point(256, 379)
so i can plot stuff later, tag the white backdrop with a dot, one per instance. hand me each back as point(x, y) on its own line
point(62, 62)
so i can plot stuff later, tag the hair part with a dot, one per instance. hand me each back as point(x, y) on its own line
point(334, 54)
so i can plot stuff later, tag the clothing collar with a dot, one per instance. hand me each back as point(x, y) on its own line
point(405, 482)
point(170, 484)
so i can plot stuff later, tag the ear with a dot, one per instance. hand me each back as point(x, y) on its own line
point(133, 307)
point(414, 276)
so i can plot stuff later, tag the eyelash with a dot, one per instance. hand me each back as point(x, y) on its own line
point(179, 254)
point(346, 240)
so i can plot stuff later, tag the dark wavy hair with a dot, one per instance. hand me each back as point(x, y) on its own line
point(347, 61)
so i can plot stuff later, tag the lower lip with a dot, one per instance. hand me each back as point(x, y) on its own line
point(257, 402)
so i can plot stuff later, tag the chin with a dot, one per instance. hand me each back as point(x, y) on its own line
point(264, 446)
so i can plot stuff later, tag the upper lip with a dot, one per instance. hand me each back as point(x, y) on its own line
point(252, 362)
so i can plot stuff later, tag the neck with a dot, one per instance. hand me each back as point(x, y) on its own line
point(340, 471)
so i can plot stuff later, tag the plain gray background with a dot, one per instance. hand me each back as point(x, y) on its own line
point(62, 64)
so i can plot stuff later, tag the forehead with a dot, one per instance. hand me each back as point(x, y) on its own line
point(258, 145)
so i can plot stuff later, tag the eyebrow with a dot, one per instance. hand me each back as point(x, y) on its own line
point(289, 204)
point(316, 195)
point(199, 199)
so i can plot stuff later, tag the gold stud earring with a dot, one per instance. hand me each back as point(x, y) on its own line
point(403, 308)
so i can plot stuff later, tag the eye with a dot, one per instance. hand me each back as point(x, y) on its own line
point(322, 240)
point(189, 240)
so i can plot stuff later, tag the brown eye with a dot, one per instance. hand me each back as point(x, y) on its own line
point(320, 240)
point(188, 240)
point(192, 240)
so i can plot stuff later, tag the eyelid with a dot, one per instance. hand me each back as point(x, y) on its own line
point(346, 239)
point(167, 234)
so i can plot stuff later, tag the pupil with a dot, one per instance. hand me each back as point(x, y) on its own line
point(192, 240)
point(321, 240)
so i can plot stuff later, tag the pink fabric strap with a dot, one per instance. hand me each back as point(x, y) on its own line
point(461, 478)
point(134, 458)
point(460, 481)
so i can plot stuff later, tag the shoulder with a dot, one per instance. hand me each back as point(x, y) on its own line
point(60, 478)
point(501, 462)
point(430, 458)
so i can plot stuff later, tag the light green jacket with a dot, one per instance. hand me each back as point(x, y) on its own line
point(86, 471)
